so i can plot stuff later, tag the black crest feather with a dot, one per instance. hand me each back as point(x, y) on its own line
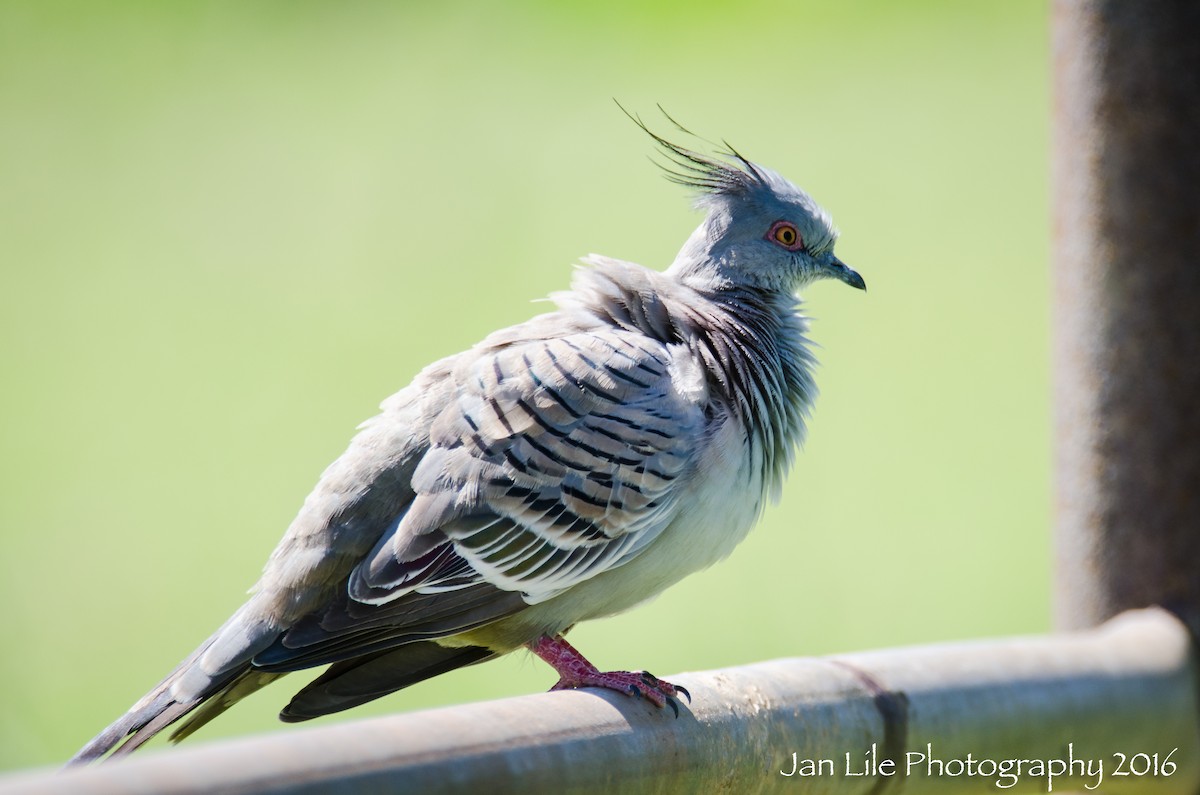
point(705, 174)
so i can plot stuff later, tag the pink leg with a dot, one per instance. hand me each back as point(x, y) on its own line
point(575, 671)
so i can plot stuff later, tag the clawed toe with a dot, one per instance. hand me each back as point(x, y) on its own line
point(633, 684)
point(658, 691)
point(575, 671)
point(667, 689)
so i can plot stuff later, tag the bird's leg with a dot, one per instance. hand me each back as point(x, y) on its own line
point(575, 671)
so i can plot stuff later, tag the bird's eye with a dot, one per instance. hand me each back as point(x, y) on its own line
point(786, 234)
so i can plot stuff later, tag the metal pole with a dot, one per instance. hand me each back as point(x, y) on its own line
point(1112, 708)
point(1127, 306)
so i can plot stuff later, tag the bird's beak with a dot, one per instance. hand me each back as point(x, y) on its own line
point(841, 271)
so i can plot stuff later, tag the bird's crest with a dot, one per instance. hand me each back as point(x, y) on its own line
point(727, 177)
point(732, 176)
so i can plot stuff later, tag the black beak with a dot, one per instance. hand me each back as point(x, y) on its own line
point(843, 272)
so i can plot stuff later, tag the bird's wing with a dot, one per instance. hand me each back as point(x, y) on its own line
point(552, 460)
point(558, 459)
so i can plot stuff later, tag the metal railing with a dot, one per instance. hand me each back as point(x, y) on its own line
point(1113, 707)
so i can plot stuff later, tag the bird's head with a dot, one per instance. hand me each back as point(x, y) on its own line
point(759, 231)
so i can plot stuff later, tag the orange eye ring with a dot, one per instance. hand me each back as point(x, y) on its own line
point(785, 234)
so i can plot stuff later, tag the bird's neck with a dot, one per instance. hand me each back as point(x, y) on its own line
point(753, 342)
point(750, 340)
point(701, 263)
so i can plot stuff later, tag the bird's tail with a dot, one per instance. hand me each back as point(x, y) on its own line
point(218, 672)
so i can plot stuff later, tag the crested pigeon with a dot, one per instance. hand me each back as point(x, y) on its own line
point(563, 469)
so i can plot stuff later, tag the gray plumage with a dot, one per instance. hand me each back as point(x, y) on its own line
point(563, 469)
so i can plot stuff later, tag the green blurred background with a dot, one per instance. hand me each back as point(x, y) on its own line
point(228, 230)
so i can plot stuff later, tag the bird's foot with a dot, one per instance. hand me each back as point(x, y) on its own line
point(639, 684)
point(575, 671)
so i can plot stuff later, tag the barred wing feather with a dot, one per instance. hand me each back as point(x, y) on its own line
point(558, 459)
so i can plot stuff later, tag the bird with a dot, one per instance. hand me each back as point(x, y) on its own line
point(563, 469)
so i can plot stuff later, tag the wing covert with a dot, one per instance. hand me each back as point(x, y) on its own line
point(556, 459)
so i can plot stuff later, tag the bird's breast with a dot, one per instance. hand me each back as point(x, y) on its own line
point(719, 502)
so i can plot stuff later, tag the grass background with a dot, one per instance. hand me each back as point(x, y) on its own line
point(228, 230)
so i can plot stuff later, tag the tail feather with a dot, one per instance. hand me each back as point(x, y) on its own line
point(344, 685)
point(174, 711)
point(154, 712)
point(353, 682)
point(138, 716)
point(247, 682)
point(214, 668)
